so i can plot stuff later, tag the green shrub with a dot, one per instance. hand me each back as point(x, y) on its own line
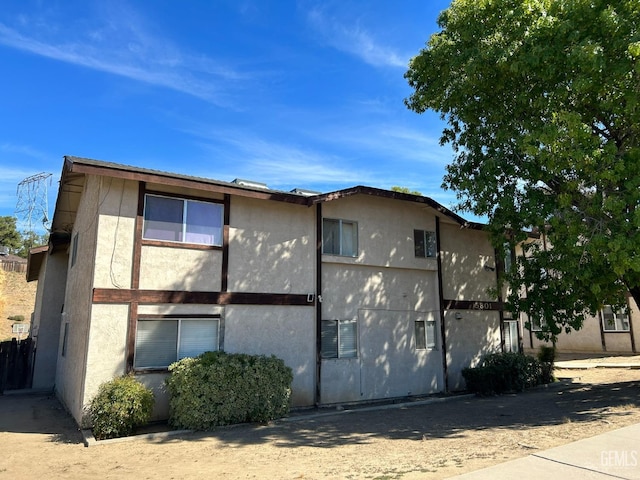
point(547, 357)
point(16, 318)
point(503, 372)
point(120, 406)
point(218, 388)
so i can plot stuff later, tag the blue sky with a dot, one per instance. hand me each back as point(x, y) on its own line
point(300, 94)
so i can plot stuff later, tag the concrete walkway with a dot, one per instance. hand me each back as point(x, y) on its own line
point(614, 454)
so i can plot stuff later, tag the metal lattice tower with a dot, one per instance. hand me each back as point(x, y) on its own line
point(32, 203)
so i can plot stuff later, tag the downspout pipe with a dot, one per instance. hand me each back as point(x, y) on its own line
point(443, 328)
point(317, 393)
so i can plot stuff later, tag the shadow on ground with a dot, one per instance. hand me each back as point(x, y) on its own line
point(449, 419)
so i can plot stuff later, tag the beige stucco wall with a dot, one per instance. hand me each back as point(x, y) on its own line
point(588, 339)
point(271, 247)
point(386, 288)
point(284, 331)
point(465, 254)
point(71, 368)
point(47, 317)
point(182, 269)
point(469, 337)
point(385, 230)
point(388, 364)
point(106, 350)
point(116, 233)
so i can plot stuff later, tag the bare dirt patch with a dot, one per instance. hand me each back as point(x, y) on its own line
point(17, 298)
point(428, 441)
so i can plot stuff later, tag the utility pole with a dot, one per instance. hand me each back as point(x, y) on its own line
point(32, 207)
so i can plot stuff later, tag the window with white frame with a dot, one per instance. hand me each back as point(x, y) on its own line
point(339, 237)
point(339, 339)
point(179, 220)
point(614, 321)
point(424, 243)
point(425, 331)
point(535, 324)
point(162, 341)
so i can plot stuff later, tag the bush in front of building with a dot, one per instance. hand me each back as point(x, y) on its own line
point(503, 372)
point(218, 388)
point(547, 358)
point(120, 406)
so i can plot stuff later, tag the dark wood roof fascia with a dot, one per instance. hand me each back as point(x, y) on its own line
point(362, 190)
point(95, 167)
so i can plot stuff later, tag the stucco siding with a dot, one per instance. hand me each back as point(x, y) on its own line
point(116, 233)
point(106, 350)
point(47, 318)
point(347, 288)
point(385, 230)
point(286, 332)
point(71, 366)
point(271, 247)
point(469, 337)
point(182, 269)
point(388, 364)
point(466, 252)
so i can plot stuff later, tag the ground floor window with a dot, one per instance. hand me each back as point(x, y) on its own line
point(535, 324)
point(614, 321)
point(162, 341)
point(339, 339)
point(511, 336)
point(425, 331)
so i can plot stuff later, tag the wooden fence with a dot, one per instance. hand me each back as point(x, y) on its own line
point(20, 267)
point(15, 364)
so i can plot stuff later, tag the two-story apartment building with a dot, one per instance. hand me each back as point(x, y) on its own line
point(366, 294)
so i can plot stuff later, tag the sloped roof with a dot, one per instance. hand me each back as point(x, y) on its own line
point(75, 169)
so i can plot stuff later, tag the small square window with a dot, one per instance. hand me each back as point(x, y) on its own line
point(425, 331)
point(339, 237)
point(424, 243)
point(535, 324)
point(339, 339)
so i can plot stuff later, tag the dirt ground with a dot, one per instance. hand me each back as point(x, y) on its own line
point(17, 297)
point(39, 440)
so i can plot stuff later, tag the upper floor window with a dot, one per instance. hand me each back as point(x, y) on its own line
point(614, 321)
point(339, 237)
point(425, 243)
point(185, 221)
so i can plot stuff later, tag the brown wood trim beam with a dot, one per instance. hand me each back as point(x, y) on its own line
point(115, 295)
point(441, 307)
point(224, 282)
point(182, 182)
point(473, 305)
point(189, 246)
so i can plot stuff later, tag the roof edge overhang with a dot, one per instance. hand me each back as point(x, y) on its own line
point(96, 167)
point(407, 197)
point(34, 261)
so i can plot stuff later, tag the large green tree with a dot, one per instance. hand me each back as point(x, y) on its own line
point(9, 235)
point(542, 104)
